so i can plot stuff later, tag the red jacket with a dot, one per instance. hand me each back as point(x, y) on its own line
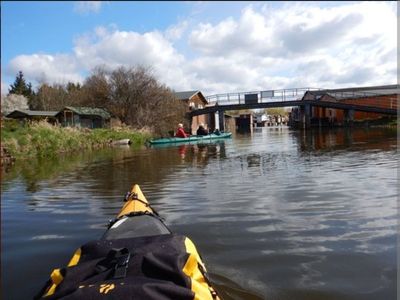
point(181, 133)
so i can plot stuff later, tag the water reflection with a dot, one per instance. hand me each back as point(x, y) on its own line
point(283, 214)
point(327, 139)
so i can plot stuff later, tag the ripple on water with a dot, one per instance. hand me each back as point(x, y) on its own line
point(281, 213)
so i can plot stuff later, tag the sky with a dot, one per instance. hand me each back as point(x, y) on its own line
point(214, 47)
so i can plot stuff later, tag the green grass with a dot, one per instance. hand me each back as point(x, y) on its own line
point(43, 139)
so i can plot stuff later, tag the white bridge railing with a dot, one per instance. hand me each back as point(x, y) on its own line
point(286, 95)
point(259, 96)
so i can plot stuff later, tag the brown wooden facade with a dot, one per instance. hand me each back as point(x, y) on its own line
point(85, 117)
point(337, 116)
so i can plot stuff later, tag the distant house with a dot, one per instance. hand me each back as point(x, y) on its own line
point(194, 100)
point(23, 115)
point(86, 117)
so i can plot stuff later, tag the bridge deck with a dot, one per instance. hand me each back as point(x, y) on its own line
point(292, 97)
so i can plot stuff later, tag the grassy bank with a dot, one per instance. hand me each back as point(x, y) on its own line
point(43, 139)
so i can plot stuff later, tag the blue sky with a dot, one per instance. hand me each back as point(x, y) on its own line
point(212, 46)
point(51, 26)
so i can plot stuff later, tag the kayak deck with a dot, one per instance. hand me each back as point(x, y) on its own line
point(143, 224)
point(139, 226)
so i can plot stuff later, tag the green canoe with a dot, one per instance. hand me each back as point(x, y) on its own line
point(193, 138)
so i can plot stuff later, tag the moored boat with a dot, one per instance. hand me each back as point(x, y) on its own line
point(193, 138)
point(138, 257)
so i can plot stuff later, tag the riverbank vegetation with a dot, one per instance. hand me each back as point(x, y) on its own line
point(145, 107)
point(43, 139)
point(276, 111)
point(133, 95)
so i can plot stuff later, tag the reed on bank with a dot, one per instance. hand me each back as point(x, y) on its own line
point(43, 139)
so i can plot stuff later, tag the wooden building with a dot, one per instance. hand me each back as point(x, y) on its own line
point(86, 117)
point(195, 100)
point(33, 115)
point(376, 96)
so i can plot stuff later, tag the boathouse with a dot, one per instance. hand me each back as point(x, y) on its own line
point(373, 96)
point(86, 117)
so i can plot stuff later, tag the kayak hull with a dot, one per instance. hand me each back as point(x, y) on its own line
point(194, 138)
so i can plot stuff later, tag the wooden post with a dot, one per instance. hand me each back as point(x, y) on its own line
point(305, 118)
point(307, 110)
point(221, 120)
point(190, 123)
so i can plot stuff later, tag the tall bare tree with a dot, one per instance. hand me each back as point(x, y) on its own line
point(139, 100)
point(50, 97)
point(96, 89)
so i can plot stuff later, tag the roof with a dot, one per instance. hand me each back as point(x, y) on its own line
point(33, 113)
point(380, 89)
point(357, 92)
point(89, 111)
point(185, 95)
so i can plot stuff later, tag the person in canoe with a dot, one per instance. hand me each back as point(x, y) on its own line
point(201, 130)
point(181, 132)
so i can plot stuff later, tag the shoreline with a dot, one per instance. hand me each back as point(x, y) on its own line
point(41, 139)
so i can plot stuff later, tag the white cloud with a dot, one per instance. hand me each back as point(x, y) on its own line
point(127, 48)
point(175, 32)
point(110, 48)
point(352, 44)
point(296, 45)
point(59, 68)
point(85, 7)
point(295, 30)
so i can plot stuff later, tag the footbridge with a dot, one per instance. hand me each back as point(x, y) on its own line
point(350, 100)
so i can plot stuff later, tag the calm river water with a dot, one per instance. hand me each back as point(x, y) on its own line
point(277, 214)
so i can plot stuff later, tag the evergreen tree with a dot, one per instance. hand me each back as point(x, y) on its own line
point(71, 87)
point(20, 87)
